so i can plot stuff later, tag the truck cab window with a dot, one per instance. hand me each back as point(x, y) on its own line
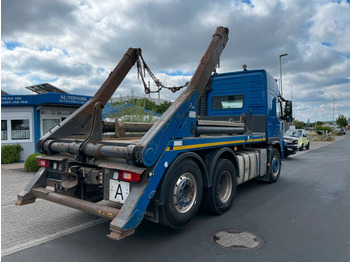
point(227, 102)
point(278, 109)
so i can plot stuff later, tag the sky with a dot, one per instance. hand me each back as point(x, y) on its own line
point(74, 45)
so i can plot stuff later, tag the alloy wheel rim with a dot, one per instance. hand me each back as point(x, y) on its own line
point(185, 192)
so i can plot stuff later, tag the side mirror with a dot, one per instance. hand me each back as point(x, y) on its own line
point(288, 111)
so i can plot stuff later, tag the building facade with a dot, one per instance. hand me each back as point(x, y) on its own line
point(26, 118)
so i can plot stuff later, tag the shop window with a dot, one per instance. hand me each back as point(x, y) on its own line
point(48, 124)
point(20, 129)
point(3, 129)
point(16, 127)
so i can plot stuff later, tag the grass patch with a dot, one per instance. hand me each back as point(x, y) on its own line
point(323, 138)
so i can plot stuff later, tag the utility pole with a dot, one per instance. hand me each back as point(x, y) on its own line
point(159, 97)
point(333, 112)
point(291, 97)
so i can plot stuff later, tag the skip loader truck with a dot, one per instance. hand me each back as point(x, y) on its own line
point(222, 130)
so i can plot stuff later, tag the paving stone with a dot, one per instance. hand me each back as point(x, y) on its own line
point(33, 224)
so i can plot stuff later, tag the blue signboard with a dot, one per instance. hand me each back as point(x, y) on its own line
point(41, 99)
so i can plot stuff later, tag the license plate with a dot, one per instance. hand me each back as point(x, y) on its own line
point(118, 190)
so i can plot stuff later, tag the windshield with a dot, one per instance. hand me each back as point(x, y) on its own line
point(296, 133)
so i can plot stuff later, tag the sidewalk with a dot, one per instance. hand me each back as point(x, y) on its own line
point(13, 166)
point(30, 225)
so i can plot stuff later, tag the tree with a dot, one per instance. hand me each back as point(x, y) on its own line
point(299, 124)
point(163, 107)
point(144, 102)
point(342, 121)
point(132, 109)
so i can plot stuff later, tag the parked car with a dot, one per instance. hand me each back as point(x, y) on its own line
point(300, 135)
point(291, 145)
point(340, 131)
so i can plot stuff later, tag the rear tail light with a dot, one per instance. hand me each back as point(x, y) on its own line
point(129, 176)
point(43, 163)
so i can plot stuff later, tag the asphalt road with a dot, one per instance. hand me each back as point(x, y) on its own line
point(305, 216)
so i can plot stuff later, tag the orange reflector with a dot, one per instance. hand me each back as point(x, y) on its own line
point(129, 176)
point(43, 163)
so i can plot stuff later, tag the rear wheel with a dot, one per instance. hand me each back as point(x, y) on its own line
point(183, 193)
point(275, 166)
point(219, 197)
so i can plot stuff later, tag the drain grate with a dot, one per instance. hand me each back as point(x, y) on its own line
point(238, 240)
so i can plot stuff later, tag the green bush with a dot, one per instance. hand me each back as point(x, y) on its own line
point(324, 128)
point(10, 153)
point(31, 163)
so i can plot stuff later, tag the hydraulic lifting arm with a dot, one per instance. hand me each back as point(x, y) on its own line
point(86, 122)
point(180, 119)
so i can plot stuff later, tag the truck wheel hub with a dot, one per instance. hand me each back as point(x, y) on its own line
point(275, 166)
point(225, 186)
point(185, 192)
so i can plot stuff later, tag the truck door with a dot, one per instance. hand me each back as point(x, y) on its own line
point(275, 125)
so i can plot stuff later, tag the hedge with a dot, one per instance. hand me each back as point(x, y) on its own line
point(31, 163)
point(10, 153)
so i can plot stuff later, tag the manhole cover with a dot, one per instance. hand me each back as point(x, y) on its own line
point(238, 240)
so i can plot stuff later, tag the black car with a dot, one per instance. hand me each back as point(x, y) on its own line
point(291, 145)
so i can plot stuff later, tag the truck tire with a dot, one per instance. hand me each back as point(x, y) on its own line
point(275, 166)
point(219, 197)
point(183, 194)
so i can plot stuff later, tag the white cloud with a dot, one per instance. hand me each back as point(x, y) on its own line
point(331, 26)
point(75, 45)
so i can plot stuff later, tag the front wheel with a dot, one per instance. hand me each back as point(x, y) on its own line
point(275, 166)
point(183, 193)
point(308, 145)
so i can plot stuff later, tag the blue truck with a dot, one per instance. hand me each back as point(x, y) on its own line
point(222, 130)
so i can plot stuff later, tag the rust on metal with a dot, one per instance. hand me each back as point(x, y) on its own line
point(57, 157)
point(119, 128)
point(114, 235)
point(80, 123)
point(197, 84)
point(121, 166)
point(86, 206)
point(90, 149)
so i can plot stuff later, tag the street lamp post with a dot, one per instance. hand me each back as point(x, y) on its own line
point(281, 72)
point(333, 112)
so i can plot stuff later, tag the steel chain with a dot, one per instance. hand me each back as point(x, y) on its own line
point(141, 73)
